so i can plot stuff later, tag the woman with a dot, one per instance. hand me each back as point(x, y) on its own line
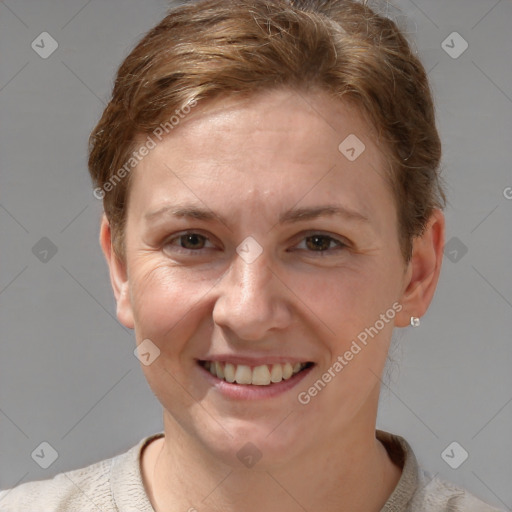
point(273, 209)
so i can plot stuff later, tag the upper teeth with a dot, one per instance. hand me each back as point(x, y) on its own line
point(262, 375)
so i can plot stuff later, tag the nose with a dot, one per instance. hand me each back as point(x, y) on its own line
point(252, 300)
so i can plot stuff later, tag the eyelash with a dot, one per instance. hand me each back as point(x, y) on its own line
point(339, 243)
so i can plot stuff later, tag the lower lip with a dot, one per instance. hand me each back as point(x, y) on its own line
point(251, 391)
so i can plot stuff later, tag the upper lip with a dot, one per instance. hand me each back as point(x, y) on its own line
point(254, 361)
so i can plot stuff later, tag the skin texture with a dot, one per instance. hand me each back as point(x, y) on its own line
point(249, 160)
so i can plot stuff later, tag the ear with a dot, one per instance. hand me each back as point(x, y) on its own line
point(118, 276)
point(422, 272)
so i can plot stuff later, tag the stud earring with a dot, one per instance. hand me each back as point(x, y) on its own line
point(415, 321)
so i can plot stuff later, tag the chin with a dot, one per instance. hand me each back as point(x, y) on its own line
point(251, 443)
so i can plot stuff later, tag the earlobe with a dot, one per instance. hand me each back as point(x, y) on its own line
point(423, 271)
point(118, 276)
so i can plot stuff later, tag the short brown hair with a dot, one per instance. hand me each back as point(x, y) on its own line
point(209, 48)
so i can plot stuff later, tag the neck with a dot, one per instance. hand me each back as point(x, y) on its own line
point(351, 472)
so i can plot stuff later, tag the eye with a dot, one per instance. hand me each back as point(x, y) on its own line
point(189, 241)
point(321, 243)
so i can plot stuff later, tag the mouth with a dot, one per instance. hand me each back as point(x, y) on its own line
point(261, 375)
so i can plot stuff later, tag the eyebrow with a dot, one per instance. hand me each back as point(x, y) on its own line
point(288, 217)
point(298, 214)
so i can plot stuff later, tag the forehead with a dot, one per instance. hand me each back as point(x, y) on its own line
point(270, 148)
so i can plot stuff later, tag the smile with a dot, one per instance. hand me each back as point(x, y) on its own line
point(262, 375)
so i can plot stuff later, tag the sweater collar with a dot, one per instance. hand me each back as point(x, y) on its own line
point(128, 492)
point(402, 455)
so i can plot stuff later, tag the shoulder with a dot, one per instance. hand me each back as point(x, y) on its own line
point(109, 485)
point(418, 490)
point(437, 495)
point(80, 489)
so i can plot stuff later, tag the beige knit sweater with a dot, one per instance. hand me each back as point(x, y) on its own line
point(115, 485)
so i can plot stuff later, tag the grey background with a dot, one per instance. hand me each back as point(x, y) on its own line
point(68, 375)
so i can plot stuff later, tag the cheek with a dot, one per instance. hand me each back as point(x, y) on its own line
point(347, 299)
point(165, 304)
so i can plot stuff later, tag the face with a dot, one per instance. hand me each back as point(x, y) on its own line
point(256, 248)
